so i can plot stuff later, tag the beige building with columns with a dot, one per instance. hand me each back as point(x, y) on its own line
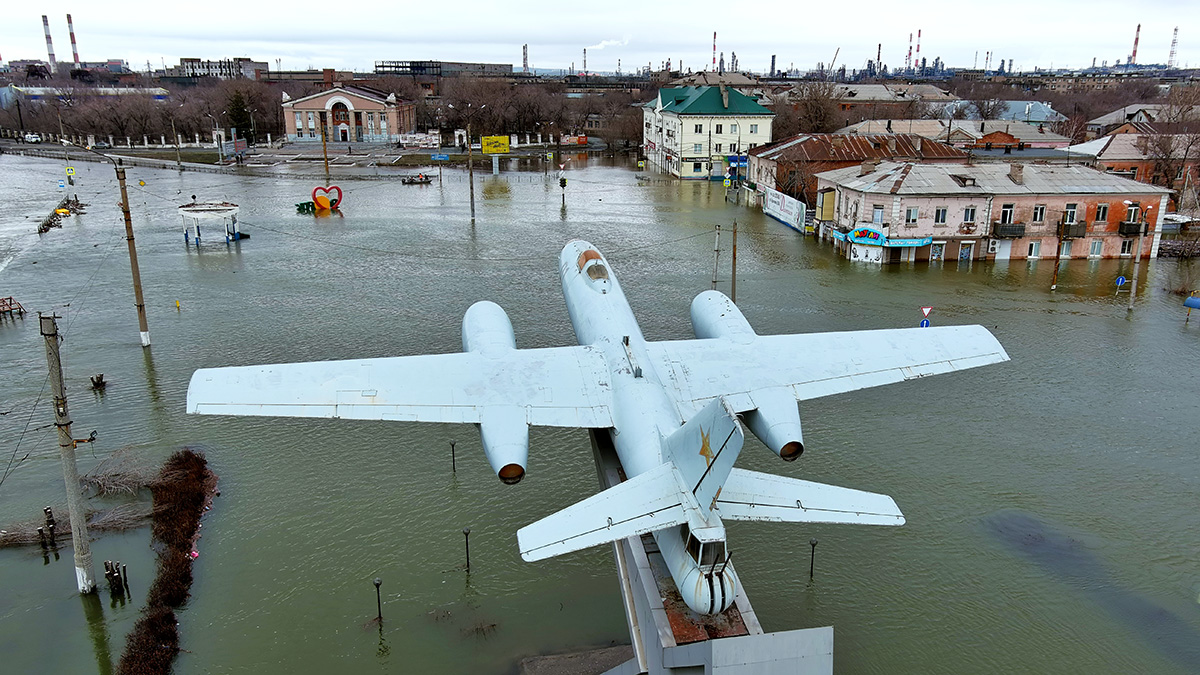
point(349, 113)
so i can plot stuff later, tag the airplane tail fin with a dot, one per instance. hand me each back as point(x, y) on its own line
point(705, 449)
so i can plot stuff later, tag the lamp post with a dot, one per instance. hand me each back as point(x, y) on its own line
point(469, 114)
point(253, 126)
point(175, 136)
point(1137, 260)
point(220, 150)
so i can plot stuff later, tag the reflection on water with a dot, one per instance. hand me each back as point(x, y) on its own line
point(1084, 426)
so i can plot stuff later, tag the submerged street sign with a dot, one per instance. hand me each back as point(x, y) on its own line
point(440, 158)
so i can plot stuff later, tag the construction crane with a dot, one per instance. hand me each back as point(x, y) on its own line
point(1174, 44)
point(831, 63)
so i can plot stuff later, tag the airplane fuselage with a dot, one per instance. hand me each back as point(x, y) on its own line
point(643, 411)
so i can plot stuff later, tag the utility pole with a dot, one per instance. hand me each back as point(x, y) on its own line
point(84, 577)
point(139, 302)
point(175, 135)
point(733, 274)
point(716, 256)
point(1137, 260)
point(471, 170)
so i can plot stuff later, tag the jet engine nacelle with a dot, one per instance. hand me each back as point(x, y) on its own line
point(487, 330)
point(715, 316)
point(776, 422)
point(505, 435)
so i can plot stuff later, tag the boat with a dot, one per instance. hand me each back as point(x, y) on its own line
point(419, 179)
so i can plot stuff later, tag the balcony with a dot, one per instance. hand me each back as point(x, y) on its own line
point(1008, 230)
point(1072, 230)
point(1129, 229)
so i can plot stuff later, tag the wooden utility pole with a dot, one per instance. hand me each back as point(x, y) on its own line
point(716, 256)
point(133, 261)
point(84, 577)
point(324, 148)
point(733, 273)
point(1137, 260)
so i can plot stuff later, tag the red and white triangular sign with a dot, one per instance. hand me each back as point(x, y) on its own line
point(926, 311)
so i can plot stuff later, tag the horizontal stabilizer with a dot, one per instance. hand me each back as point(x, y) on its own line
point(645, 503)
point(750, 495)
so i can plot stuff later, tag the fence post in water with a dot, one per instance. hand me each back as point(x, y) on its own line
point(813, 543)
point(467, 541)
point(378, 602)
point(453, 461)
point(125, 579)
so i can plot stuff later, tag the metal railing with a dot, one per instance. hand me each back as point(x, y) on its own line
point(1129, 229)
point(1072, 230)
point(1008, 230)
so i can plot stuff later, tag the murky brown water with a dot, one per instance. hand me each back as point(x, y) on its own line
point(1091, 428)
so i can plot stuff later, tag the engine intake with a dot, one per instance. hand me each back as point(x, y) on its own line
point(776, 422)
point(715, 316)
point(487, 330)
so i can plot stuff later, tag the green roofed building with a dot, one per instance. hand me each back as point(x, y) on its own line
point(700, 132)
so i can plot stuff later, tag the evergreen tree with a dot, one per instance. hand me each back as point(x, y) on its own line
point(239, 116)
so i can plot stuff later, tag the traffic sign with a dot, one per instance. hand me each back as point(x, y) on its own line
point(70, 171)
point(1121, 281)
point(440, 158)
point(549, 155)
point(641, 163)
point(62, 184)
point(926, 310)
point(924, 323)
point(728, 182)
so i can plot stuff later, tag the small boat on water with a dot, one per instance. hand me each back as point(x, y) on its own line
point(419, 179)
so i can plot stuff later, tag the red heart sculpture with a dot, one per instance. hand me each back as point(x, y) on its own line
point(332, 203)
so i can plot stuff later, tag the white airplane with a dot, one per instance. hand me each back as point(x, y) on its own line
point(674, 411)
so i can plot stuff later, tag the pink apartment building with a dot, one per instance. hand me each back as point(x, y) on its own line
point(907, 212)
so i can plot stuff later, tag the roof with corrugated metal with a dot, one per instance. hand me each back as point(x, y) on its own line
point(853, 148)
point(1124, 114)
point(951, 179)
point(708, 101)
point(1022, 131)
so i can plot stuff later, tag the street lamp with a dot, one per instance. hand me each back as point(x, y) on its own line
point(220, 150)
point(1137, 261)
point(175, 136)
point(470, 113)
point(253, 126)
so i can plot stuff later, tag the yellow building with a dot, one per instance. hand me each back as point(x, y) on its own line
point(349, 113)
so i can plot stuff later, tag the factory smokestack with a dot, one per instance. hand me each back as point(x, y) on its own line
point(1132, 57)
point(49, 43)
point(74, 49)
point(772, 65)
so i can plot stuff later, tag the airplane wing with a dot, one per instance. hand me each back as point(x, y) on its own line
point(647, 502)
point(812, 365)
point(558, 387)
point(750, 495)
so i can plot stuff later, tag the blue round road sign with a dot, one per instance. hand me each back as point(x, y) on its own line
point(1121, 281)
point(924, 323)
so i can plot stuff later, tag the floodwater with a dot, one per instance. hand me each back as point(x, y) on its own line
point(1091, 429)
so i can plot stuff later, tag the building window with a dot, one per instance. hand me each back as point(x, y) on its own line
point(910, 215)
point(1133, 173)
point(939, 215)
point(1035, 249)
point(1102, 213)
point(717, 148)
point(699, 128)
point(697, 167)
point(753, 145)
point(1126, 247)
point(698, 148)
point(719, 128)
point(753, 129)
point(877, 214)
point(1131, 215)
point(1097, 248)
point(733, 130)
point(299, 124)
point(969, 215)
point(1064, 251)
point(1006, 214)
point(1069, 214)
point(1039, 213)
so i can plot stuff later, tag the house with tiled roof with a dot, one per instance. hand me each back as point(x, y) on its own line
point(1166, 159)
point(693, 132)
point(906, 212)
point(790, 165)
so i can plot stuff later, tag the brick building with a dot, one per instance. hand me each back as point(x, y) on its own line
point(348, 114)
point(905, 212)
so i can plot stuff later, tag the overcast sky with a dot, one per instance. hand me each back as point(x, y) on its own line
point(302, 34)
